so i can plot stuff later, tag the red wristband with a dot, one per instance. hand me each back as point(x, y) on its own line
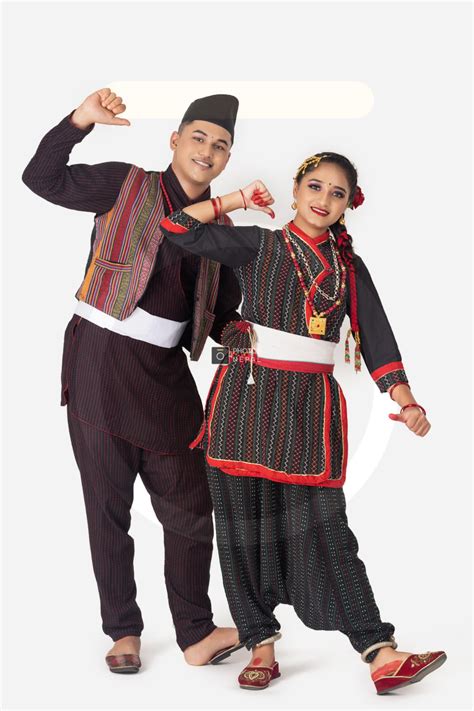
point(413, 404)
point(214, 205)
point(243, 198)
point(219, 202)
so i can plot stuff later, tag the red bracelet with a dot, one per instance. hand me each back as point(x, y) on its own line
point(219, 202)
point(243, 198)
point(214, 205)
point(413, 404)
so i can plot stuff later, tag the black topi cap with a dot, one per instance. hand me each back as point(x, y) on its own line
point(218, 108)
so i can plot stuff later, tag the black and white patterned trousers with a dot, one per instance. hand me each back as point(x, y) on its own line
point(291, 544)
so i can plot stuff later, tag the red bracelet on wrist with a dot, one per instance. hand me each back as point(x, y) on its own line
point(219, 202)
point(214, 205)
point(243, 198)
point(413, 404)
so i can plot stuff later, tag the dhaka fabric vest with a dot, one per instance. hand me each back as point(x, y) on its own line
point(126, 242)
point(290, 426)
point(127, 239)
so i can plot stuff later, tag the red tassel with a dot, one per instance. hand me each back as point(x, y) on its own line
point(243, 326)
point(347, 355)
point(357, 352)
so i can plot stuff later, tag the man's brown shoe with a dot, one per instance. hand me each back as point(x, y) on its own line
point(123, 663)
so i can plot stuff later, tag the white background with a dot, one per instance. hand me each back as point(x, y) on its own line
point(412, 516)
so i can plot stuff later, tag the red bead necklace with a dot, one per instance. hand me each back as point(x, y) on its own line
point(162, 186)
point(317, 322)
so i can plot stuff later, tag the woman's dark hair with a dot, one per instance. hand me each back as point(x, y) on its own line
point(344, 240)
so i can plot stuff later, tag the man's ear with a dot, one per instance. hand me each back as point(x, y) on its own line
point(174, 138)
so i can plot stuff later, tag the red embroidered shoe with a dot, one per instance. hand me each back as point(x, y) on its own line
point(398, 673)
point(258, 677)
point(123, 663)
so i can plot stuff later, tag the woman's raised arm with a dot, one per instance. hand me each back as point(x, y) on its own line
point(192, 229)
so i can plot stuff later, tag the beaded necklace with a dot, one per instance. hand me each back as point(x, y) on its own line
point(162, 185)
point(339, 267)
point(317, 322)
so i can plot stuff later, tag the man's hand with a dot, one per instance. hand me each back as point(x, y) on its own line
point(102, 106)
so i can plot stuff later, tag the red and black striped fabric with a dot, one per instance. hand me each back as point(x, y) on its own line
point(130, 388)
point(289, 426)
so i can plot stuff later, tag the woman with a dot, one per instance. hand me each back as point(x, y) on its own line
point(275, 432)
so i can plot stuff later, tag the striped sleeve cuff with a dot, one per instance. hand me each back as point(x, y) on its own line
point(179, 222)
point(68, 128)
point(389, 375)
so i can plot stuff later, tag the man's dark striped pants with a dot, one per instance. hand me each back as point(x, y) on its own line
point(180, 497)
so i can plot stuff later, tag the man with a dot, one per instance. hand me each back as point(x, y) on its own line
point(132, 403)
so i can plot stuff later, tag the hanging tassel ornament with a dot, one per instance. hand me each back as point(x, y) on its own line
point(354, 327)
point(252, 336)
point(347, 355)
point(357, 352)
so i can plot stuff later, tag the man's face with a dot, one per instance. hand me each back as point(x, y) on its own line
point(201, 151)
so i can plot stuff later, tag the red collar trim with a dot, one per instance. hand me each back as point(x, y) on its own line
point(310, 240)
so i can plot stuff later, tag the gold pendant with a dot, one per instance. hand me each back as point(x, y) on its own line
point(317, 325)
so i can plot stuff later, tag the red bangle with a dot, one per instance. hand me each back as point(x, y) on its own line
point(413, 404)
point(243, 198)
point(219, 202)
point(214, 206)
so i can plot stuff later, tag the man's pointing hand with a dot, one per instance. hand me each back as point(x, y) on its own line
point(102, 106)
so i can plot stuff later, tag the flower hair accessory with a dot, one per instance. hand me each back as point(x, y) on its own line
point(358, 198)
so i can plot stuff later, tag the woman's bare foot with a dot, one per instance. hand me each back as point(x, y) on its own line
point(263, 656)
point(126, 645)
point(386, 655)
point(220, 638)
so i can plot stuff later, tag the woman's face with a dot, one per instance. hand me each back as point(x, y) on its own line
point(321, 197)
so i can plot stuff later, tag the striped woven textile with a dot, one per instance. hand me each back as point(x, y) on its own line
point(287, 425)
point(290, 426)
point(207, 286)
point(126, 243)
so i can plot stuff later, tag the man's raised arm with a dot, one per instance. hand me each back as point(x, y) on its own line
point(91, 188)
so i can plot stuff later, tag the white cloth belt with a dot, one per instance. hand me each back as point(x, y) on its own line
point(140, 325)
point(280, 345)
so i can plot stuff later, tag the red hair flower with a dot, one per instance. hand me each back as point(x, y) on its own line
point(358, 198)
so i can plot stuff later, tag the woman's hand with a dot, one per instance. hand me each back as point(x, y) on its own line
point(414, 419)
point(257, 197)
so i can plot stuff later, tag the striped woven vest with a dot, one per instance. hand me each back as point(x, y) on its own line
point(126, 243)
point(125, 246)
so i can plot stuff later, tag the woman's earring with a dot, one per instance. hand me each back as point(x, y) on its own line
point(293, 205)
point(342, 220)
